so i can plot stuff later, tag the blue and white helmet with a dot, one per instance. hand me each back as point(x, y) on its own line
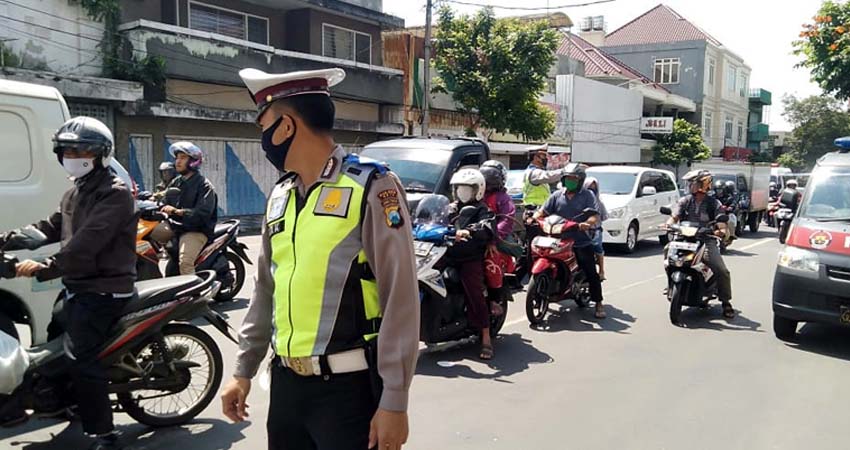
point(191, 150)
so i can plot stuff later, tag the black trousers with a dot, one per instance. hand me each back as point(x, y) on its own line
point(586, 259)
point(320, 413)
point(88, 318)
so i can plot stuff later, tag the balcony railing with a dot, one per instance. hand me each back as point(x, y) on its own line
point(762, 96)
point(758, 133)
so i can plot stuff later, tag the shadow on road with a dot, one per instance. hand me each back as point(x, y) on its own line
point(514, 354)
point(826, 340)
point(645, 248)
point(203, 434)
point(712, 319)
point(573, 318)
point(236, 304)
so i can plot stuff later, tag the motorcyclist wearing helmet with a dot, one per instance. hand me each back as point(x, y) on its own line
point(701, 208)
point(167, 174)
point(571, 203)
point(474, 232)
point(195, 211)
point(790, 197)
point(592, 185)
point(496, 197)
point(96, 228)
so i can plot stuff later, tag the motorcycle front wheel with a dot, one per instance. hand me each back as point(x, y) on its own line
point(201, 383)
point(783, 230)
point(537, 299)
point(677, 299)
point(497, 322)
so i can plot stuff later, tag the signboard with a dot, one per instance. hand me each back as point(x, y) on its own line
point(656, 125)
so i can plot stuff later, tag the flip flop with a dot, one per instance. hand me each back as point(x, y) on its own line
point(728, 311)
point(487, 352)
point(600, 313)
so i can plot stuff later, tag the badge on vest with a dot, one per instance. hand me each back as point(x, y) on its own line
point(392, 212)
point(333, 201)
point(277, 203)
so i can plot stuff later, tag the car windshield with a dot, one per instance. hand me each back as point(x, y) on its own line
point(614, 183)
point(515, 179)
point(828, 195)
point(419, 170)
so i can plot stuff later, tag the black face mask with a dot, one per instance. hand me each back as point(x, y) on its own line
point(276, 154)
point(544, 161)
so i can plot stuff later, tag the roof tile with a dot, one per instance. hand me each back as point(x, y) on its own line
point(658, 25)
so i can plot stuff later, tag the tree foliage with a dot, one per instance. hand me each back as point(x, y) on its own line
point(825, 48)
point(497, 69)
point(818, 121)
point(683, 146)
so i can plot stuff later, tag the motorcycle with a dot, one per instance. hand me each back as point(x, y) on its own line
point(784, 216)
point(555, 274)
point(690, 282)
point(441, 295)
point(224, 254)
point(733, 225)
point(162, 369)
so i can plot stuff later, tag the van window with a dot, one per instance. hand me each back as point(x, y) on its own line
point(470, 159)
point(647, 179)
point(742, 184)
point(665, 183)
point(16, 149)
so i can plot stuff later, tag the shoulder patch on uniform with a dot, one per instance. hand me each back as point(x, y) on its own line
point(333, 201)
point(392, 208)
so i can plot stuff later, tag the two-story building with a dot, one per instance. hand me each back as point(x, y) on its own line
point(204, 44)
point(691, 63)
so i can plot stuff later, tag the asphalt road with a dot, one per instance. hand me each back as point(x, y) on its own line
point(632, 381)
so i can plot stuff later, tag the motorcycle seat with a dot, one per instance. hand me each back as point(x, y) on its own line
point(149, 291)
point(223, 228)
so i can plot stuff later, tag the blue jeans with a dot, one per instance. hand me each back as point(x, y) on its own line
point(597, 242)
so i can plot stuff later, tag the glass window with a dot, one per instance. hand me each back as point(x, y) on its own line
point(706, 127)
point(745, 80)
point(346, 44)
point(731, 77)
point(470, 159)
point(712, 65)
point(666, 183)
point(647, 179)
point(828, 194)
point(742, 184)
point(667, 70)
point(419, 170)
point(740, 132)
point(16, 150)
point(728, 131)
point(228, 23)
point(614, 183)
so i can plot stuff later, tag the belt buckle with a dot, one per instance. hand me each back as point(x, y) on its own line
point(301, 366)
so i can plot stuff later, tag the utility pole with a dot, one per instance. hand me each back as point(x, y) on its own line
point(426, 116)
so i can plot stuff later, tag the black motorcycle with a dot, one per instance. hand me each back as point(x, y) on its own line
point(162, 369)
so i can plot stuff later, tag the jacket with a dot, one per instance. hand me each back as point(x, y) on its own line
point(96, 225)
point(481, 232)
point(199, 203)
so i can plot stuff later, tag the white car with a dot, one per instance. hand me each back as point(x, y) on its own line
point(633, 197)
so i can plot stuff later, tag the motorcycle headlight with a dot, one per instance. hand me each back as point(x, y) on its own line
point(799, 259)
point(617, 213)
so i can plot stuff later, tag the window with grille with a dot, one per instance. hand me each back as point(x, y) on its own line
point(728, 131)
point(99, 112)
point(347, 44)
point(740, 133)
point(229, 23)
point(667, 70)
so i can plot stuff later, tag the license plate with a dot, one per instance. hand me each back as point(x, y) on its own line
point(421, 248)
point(688, 246)
point(845, 315)
point(545, 241)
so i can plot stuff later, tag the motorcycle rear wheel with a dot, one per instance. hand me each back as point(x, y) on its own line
point(677, 299)
point(537, 299)
point(196, 342)
point(783, 231)
point(497, 322)
point(237, 278)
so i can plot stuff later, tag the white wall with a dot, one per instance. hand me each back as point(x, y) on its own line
point(52, 34)
point(722, 101)
point(604, 120)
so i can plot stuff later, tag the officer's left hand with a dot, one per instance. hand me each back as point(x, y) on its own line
point(388, 430)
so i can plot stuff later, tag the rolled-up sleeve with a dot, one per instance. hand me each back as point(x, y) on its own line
point(540, 176)
point(389, 249)
point(256, 332)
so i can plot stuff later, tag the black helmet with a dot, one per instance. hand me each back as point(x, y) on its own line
point(575, 170)
point(85, 133)
point(493, 178)
point(730, 187)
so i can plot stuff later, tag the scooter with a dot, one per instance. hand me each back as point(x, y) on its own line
point(555, 274)
point(441, 295)
point(162, 369)
point(690, 282)
point(727, 240)
point(784, 216)
point(224, 254)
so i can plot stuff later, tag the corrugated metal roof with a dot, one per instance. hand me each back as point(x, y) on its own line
point(598, 63)
point(658, 25)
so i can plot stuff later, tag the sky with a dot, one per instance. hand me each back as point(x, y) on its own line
point(760, 31)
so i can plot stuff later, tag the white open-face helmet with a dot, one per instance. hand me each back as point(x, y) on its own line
point(468, 185)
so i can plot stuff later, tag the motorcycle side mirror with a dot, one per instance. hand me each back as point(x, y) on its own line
point(666, 211)
point(144, 195)
point(27, 238)
point(722, 218)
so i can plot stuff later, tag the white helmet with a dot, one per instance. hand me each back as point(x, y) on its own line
point(468, 185)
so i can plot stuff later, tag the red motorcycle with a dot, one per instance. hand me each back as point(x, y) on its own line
point(555, 273)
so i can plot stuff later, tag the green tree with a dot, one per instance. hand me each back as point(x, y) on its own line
point(825, 48)
point(683, 146)
point(496, 69)
point(818, 121)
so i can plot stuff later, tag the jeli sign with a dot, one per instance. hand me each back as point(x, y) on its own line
point(658, 125)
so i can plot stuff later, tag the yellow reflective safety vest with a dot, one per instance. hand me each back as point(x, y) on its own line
point(325, 298)
point(531, 194)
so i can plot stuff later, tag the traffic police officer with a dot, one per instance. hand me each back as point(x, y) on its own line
point(535, 189)
point(336, 264)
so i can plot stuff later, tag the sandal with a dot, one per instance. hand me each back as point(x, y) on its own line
point(728, 311)
point(496, 309)
point(600, 312)
point(486, 352)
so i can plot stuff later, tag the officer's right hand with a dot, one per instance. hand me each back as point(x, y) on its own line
point(28, 268)
point(233, 399)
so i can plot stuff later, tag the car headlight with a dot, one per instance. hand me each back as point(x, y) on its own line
point(799, 259)
point(617, 213)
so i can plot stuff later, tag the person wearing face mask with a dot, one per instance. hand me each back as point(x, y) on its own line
point(96, 228)
point(336, 293)
point(535, 189)
point(195, 211)
point(470, 216)
point(570, 203)
point(592, 185)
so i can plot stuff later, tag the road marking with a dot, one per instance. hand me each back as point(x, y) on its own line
point(756, 244)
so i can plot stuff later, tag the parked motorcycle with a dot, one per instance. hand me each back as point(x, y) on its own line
point(224, 254)
point(162, 370)
point(441, 295)
point(690, 282)
point(555, 274)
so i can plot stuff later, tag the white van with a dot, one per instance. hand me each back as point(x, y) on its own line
point(633, 197)
point(31, 185)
